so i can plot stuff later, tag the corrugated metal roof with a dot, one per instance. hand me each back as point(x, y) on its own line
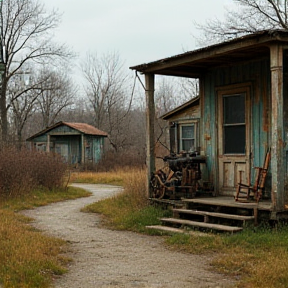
point(81, 127)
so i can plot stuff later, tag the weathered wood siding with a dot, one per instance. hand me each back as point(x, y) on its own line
point(67, 142)
point(256, 74)
point(186, 114)
point(285, 120)
point(94, 148)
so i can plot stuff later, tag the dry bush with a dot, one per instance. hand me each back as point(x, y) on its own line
point(49, 170)
point(23, 170)
point(112, 160)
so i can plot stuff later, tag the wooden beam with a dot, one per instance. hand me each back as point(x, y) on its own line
point(82, 149)
point(277, 130)
point(48, 143)
point(150, 117)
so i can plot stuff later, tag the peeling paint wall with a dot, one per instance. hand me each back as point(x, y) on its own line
point(257, 74)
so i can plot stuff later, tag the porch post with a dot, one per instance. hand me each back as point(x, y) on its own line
point(48, 143)
point(82, 149)
point(277, 129)
point(150, 117)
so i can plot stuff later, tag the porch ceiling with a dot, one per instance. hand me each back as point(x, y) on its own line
point(194, 63)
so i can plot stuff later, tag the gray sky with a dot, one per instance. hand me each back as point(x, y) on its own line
point(139, 31)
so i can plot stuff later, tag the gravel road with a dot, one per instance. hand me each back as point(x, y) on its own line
point(106, 258)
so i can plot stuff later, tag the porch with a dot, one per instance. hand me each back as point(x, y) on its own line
point(242, 112)
point(220, 213)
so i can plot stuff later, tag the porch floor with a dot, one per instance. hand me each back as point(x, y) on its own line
point(229, 201)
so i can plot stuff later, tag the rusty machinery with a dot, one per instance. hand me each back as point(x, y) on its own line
point(180, 178)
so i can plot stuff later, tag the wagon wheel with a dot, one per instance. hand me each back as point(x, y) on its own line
point(158, 188)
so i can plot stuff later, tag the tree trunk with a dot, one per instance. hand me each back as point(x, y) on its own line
point(3, 112)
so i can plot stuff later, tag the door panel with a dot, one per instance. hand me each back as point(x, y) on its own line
point(233, 138)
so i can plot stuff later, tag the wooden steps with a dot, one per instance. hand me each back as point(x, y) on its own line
point(214, 214)
point(169, 229)
point(166, 229)
point(209, 214)
point(209, 226)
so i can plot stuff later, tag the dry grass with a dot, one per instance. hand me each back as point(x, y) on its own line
point(129, 210)
point(28, 258)
point(256, 257)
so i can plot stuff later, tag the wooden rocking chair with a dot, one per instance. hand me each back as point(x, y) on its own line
point(246, 191)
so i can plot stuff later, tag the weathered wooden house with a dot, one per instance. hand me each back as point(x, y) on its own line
point(243, 112)
point(77, 143)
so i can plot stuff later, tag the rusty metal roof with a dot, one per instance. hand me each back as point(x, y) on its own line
point(81, 127)
point(194, 63)
point(85, 128)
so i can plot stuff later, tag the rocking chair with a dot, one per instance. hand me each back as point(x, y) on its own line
point(246, 191)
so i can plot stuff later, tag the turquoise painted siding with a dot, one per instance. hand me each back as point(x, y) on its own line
point(258, 75)
point(94, 149)
point(70, 146)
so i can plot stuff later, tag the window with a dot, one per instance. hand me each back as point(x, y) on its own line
point(187, 138)
point(234, 124)
point(184, 136)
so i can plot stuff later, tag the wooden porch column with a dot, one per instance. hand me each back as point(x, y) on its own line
point(150, 117)
point(82, 149)
point(277, 129)
point(48, 143)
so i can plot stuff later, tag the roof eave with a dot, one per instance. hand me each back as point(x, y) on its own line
point(192, 102)
point(165, 66)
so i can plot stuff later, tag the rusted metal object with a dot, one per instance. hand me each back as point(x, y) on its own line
point(181, 178)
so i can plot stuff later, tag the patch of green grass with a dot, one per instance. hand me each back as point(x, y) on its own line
point(41, 197)
point(29, 259)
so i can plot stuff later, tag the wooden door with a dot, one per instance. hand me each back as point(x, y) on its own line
point(233, 138)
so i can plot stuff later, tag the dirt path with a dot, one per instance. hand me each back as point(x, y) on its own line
point(105, 258)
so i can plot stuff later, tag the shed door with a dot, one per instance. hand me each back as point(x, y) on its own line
point(233, 139)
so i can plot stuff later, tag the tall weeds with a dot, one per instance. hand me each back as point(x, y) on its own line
point(24, 170)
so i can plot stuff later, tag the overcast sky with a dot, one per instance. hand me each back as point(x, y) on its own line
point(140, 31)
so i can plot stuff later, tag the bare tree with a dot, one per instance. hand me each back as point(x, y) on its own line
point(108, 96)
point(23, 106)
point(250, 17)
point(25, 40)
point(56, 93)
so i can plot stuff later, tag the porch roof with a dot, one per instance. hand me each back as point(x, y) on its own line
point(194, 63)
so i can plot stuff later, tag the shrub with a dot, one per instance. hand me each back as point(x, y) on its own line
point(112, 160)
point(24, 170)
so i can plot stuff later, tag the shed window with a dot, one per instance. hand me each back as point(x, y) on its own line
point(187, 137)
point(234, 125)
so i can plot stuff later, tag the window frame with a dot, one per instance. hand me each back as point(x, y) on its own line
point(175, 134)
point(181, 138)
point(233, 124)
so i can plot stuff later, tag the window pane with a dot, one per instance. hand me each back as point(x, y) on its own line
point(188, 132)
point(188, 145)
point(234, 109)
point(234, 139)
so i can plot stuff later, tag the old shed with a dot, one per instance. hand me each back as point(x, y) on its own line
point(243, 111)
point(75, 142)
